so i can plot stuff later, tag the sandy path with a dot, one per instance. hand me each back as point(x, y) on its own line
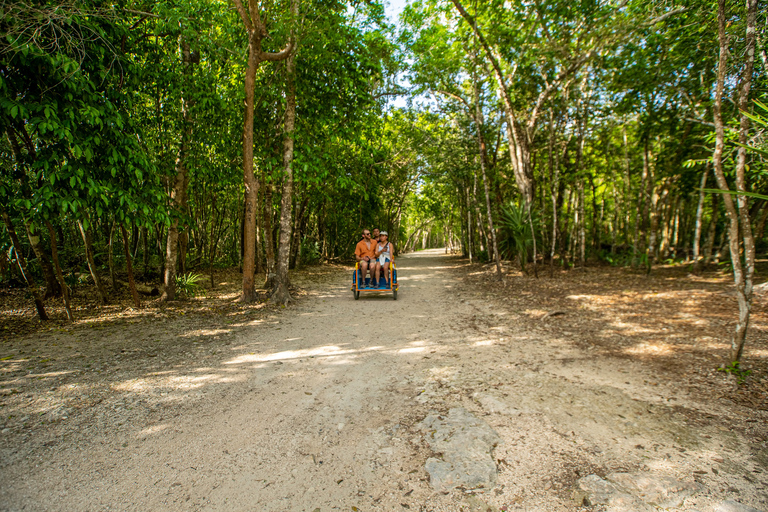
point(318, 408)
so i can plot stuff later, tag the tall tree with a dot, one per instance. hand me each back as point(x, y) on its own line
point(257, 32)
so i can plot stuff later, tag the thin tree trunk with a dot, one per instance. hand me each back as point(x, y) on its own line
point(59, 274)
point(582, 225)
point(88, 242)
point(256, 31)
point(269, 241)
point(22, 262)
point(712, 231)
point(111, 257)
point(179, 190)
point(699, 215)
point(478, 216)
point(627, 192)
point(281, 294)
point(738, 214)
point(564, 231)
point(480, 122)
point(145, 249)
point(469, 225)
point(212, 245)
point(52, 285)
point(129, 267)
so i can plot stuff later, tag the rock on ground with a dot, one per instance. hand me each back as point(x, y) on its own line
point(732, 506)
point(631, 492)
point(466, 444)
point(661, 491)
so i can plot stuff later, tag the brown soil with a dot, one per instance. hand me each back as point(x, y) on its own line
point(207, 404)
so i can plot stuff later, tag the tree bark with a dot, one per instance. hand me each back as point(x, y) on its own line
point(738, 213)
point(699, 216)
point(712, 231)
point(22, 262)
point(179, 190)
point(280, 293)
point(88, 242)
point(483, 156)
point(269, 238)
point(59, 274)
point(129, 267)
point(256, 31)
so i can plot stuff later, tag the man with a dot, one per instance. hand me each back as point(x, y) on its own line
point(375, 236)
point(365, 255)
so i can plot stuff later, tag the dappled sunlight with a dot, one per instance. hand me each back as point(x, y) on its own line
point(411, 350)
point(325, 351)
point(650, 349)
point(155, 429)
point(484, 343)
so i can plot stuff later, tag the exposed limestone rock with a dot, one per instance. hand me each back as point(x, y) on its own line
point(465, 443)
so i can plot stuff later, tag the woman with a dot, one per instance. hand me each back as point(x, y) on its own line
point(385, 254)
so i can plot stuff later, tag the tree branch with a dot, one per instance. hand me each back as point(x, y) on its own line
point(244, 15)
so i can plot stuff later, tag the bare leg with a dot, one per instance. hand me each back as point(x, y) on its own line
point(378, 272)
point(363, 271)
point(386, 272)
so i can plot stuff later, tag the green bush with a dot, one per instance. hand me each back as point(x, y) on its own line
point(189, 284)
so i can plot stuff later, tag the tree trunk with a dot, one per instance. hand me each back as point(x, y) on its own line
point(256, 31)
point(129, 267)
point(699, 215)
point(88, 242)
point(145, 250)
point(480, 122)
point(179, 190)
point(22, 262)
point(59, 274)
point(280, 293)
point(738, 214)
point(470, 250)
point(212, 244)
point(712, 232)
point(111, 257)
point(565, 215)
point(269, 240)
point(52, 285)
point(582, 225)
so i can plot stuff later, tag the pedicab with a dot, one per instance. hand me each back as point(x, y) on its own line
point(365, 285)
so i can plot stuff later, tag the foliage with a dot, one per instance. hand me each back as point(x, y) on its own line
point(736, 370)
point(516, 237)
point(189, 284)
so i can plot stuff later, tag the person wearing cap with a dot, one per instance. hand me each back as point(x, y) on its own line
point(365, 254)
point(385, 255)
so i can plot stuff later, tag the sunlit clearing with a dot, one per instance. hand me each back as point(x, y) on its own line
point(152, 430)
point(327, 351)
point(411, 350)
point(133, 385)
point(445, 372)
point(49, 374)
point(656, 349)
point(191, 382)
point(212, 332)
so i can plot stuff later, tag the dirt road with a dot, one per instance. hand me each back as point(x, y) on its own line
point(319, 407)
